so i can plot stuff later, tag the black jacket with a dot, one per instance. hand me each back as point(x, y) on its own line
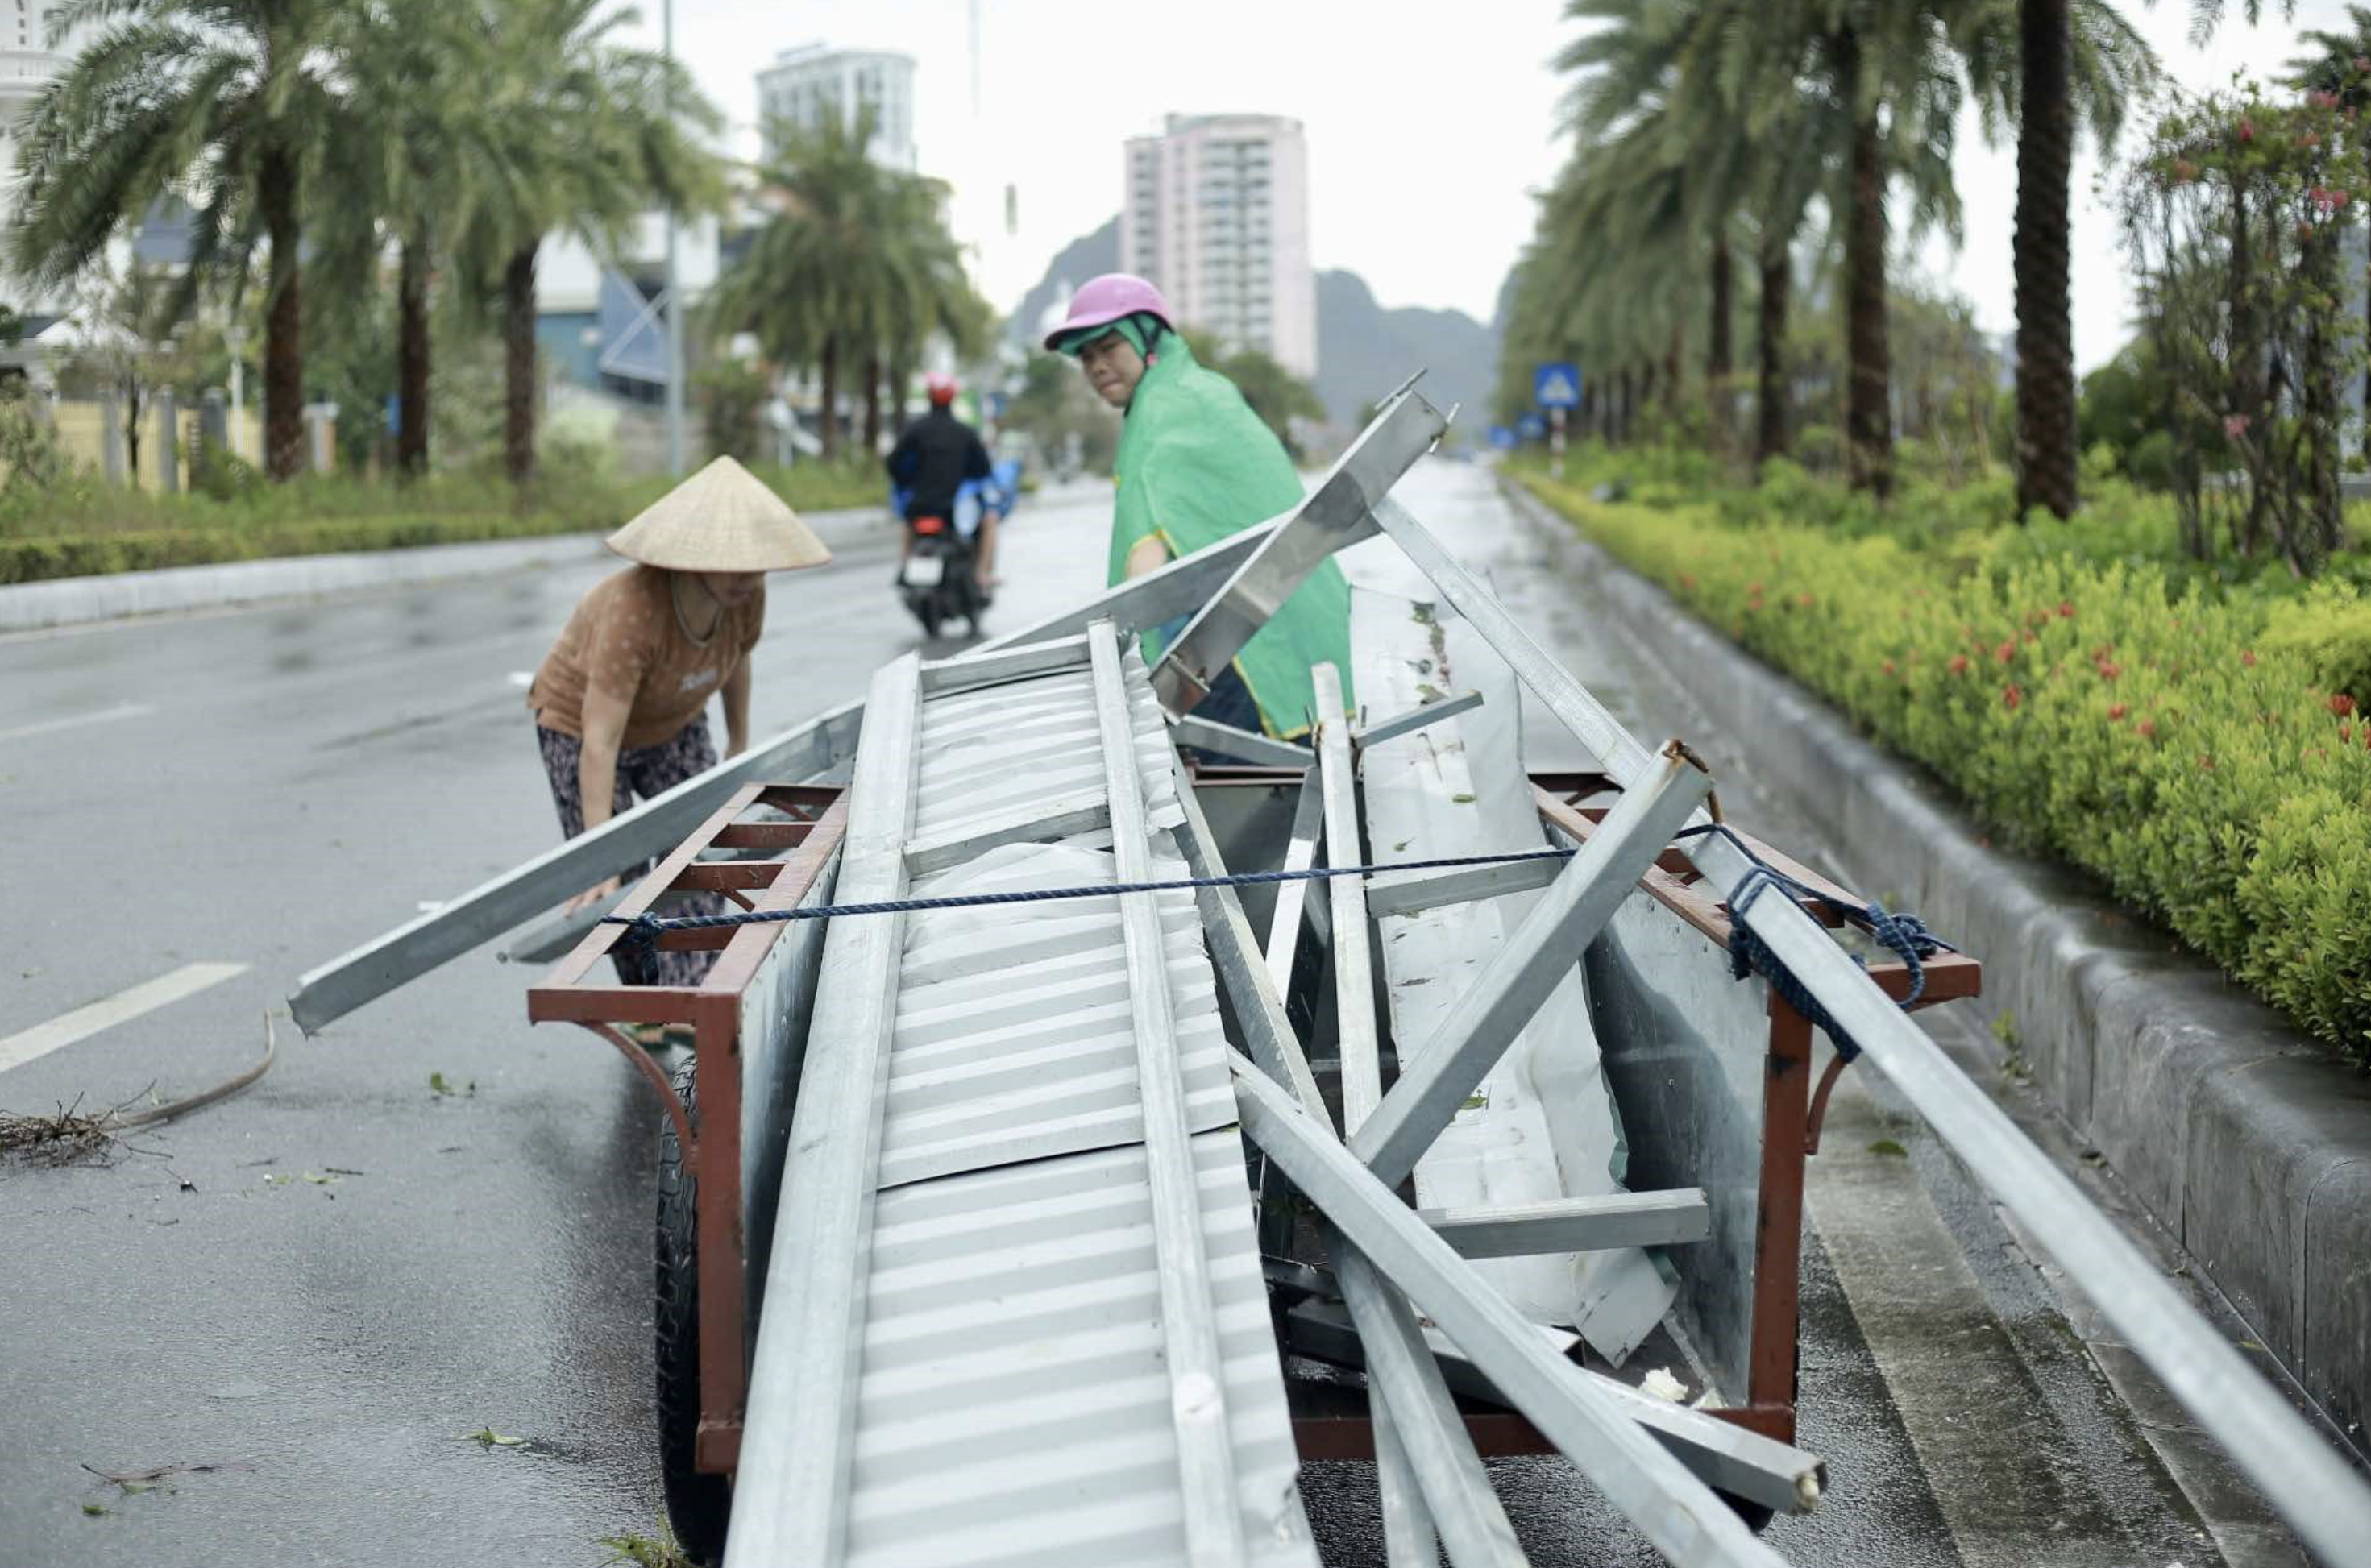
point(931, 460)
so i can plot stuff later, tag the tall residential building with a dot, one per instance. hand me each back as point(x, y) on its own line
point(1216, 213)
point(806, 84)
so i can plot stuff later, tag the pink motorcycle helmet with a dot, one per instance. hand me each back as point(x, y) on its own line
point(1112, 297)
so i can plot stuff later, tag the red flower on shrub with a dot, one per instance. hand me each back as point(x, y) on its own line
point(2011, 697)
point(2247, 129)
point(1959, 664)
point(1888, 666)
point(2006, 650)
point(2145, 728)
point(2248, 657)
point(2206, 763)
point(2117, 711)
point(2065, 610)
point(2341, 704)
point(2109, 672)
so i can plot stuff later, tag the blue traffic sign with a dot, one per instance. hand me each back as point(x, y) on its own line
point(1501, 437)
point(1530, 427)
point(1556, 385)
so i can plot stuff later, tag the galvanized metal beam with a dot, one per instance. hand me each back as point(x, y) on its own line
point(1734, 1459)
point(1430, 1477)
point(1674, 1510)
point(1575, 1225)
point(1251, 990)
point(798, 1443)
point(1292, 898)
point(1242, 744)
point(336, 989)
point(1333, 515)
point(971, 669)
point(1214, 1533)
point(1435, 1081)
point(2319, 1495)
point(1081, 811)
point(1414, 719)
point(1412, 893)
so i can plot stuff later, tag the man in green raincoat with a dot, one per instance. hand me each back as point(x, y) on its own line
point(1195, 465)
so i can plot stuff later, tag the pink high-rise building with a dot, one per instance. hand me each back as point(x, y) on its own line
point(1216, 213)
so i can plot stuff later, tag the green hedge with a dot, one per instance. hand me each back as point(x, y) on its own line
point(2205, 752)
point(81, 528)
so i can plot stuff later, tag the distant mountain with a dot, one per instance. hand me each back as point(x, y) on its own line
point(1363, 349)
point(1081, 259)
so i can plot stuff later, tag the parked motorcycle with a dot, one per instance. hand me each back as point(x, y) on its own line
point(936, 579)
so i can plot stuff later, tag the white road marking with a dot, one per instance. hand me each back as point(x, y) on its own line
point(108, 1011)
point(522, 678)
point(51, 726)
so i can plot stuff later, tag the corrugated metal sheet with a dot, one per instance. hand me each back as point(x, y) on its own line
point(1014, 1404)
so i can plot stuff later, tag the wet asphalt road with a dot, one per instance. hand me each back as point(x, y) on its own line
point(323, 1286)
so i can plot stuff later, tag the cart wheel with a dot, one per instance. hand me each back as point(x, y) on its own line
point(697, 1505)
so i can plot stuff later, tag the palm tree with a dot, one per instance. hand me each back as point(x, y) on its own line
point(590, 134)
point(853, 268)
point(225, 103)
point(2044, 65)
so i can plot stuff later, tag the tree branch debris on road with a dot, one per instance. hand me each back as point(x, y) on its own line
point(70, 1135)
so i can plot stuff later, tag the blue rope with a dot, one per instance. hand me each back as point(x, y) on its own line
point(1904, 936)
point(643, 930)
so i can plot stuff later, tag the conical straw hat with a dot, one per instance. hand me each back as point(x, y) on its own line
point(722, 519)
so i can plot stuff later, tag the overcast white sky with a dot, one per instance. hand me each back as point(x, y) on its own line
point(1428, 127)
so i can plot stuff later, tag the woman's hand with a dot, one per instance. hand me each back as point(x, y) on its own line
point(591, 895)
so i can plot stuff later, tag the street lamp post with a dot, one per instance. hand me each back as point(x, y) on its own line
point(674, 297)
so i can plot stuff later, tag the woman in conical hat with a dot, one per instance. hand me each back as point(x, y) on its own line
point(621, 700)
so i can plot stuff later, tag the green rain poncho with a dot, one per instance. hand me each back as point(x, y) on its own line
point(1195, 465)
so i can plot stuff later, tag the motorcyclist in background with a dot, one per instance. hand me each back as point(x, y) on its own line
point(931, 461)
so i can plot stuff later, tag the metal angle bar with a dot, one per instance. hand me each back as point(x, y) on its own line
point(1214, 1533)
point(1335, 514)
point(1411, 893)
point(1409, 1540)
point(1408, 1394)
point(1675, 1511)
point(972, 669)
point(1033, 821)
point(1414, 719)
point(1291, 897)
point(2315, 1490)
point(1177, 589)
point(1242, 744)
point(1257, 1000)
point(798, 1446)
point(1359, 1044)
point(336, 989)
point(1421, 1443)
point(1723, 1454)
point(1433, 1083)
point(1576, 1225)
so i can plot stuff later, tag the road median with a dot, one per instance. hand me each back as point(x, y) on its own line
point(2247, 1139)
point(117, 595)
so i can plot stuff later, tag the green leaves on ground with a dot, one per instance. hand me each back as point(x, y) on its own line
point(487, 1437)
point(2090, 701)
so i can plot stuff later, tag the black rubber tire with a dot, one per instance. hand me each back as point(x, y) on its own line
point(699, 1505)
point(928, 612)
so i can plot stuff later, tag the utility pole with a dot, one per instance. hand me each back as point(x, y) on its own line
point(670, 285)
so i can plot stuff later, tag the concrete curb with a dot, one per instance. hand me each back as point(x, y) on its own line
point(2248, 1141)
point(76, 600)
